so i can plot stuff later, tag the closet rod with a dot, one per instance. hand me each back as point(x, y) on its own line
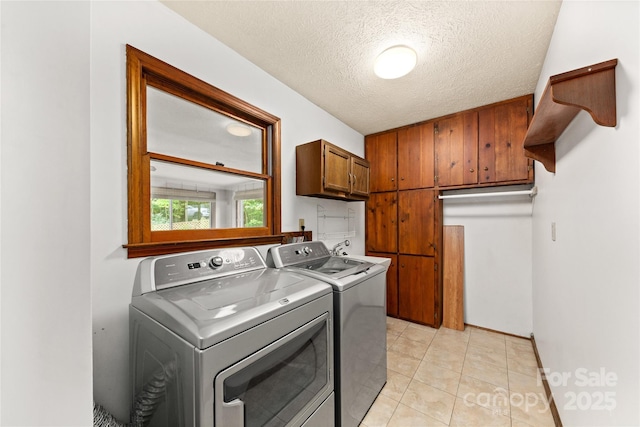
point(529, 193)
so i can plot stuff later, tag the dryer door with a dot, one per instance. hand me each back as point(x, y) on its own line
point(281, 384)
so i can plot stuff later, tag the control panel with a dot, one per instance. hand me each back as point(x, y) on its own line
point(294, 253)
point(180, 269)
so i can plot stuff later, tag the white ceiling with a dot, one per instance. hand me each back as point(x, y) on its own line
point(470, 53)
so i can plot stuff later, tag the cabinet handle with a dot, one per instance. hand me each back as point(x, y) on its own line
point(393, 179)
point(471, 170)
point(402, 178)
point(486, 168)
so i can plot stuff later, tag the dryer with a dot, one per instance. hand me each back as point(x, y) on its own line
point(219, 339)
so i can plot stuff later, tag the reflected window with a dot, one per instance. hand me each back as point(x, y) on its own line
point(190, 198)
point(250, 207)
point(176, 214)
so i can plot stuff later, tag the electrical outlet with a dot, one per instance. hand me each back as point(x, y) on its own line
point(301, 223)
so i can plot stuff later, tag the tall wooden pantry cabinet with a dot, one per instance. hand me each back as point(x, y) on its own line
point(410, 166)
point(403, 221)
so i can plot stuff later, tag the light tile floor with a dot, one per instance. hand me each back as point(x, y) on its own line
point(444, 377)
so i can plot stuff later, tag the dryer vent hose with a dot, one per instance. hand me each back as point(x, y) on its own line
point(145, 404)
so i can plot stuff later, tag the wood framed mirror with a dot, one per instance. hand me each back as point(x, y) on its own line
point(203, 165)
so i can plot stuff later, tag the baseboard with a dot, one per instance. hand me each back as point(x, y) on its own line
point(496, 331)
point(552, 403)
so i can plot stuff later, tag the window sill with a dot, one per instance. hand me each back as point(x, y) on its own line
point(137, 250)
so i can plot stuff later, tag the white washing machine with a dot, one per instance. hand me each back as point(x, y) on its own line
point(360, 327)
point(219, 339)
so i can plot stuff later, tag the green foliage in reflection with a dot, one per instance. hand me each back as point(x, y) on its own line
point(253, 212)
point(169, 214)
point(159, 213)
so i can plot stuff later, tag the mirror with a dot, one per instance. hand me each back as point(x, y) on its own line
point(180, 128)
point(204, 166)
point(190, 198)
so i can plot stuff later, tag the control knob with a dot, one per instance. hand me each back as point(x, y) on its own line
point(216, 262)
point(307, 250)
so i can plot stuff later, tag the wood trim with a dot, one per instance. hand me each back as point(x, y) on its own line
point(552, 403)
point(161, 248)
point(289, 235)
point(135, 136)
point(164, 74)
point(439, 237)
point(483, 185)
point(274, 196)
point(495, 331)
point(201, 165)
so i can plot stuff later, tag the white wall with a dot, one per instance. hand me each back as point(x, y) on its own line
point(155, 29)
point(585, 284)
point(46, 300)
point(497, 260)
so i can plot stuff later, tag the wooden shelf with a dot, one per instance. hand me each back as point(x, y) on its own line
point(591, 88)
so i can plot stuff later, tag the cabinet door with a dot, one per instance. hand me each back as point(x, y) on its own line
point(336, 169)
point(415, 157)
point(502, 129)
point(417, 289)
point(381, 222)
point(417, 232)
point(392, 283)
point(381, 152)
point(359, 176)
point(456, 150)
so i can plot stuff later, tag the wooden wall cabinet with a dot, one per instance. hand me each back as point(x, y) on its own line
point(418, 290)
point(484, 146)
point(419, 248)
point(417, 222)
point(401, 160)
point(381, 152)
point(456, 150)
point(415, 157)
point(382, 222)
point(402, 218)
point(501, 131)
point(407, 222)
point(326, 170)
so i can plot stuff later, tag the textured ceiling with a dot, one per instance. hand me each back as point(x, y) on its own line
point(470, 53)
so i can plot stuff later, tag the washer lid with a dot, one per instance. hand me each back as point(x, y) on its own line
point(335, 267)
point(207, 312)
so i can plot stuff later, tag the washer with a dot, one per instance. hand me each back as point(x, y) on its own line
point(219, 339)
point(359, 289)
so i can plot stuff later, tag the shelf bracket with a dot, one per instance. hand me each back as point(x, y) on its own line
point(592, 89)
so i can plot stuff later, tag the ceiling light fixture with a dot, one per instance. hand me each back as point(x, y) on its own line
point(395, 62)
point(238, 130)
